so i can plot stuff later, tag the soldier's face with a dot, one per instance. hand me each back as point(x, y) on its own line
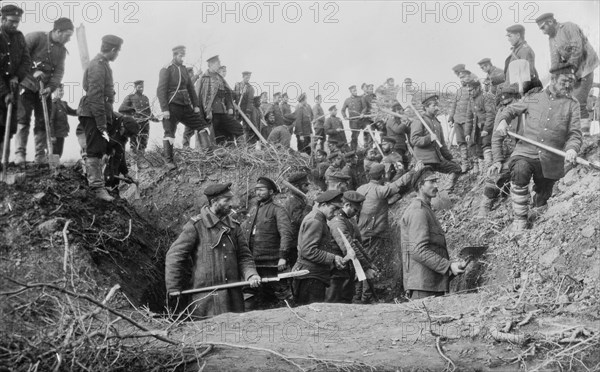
point(548, 27)
point(350, 209)
point(513, 39)
point(353, 91)
point(370, 89)
point(10, 24)
point(139, 88)
point(386, 146)
point(318, 99)
point(304, 187)
point(563, 84)
point(64, 37)
point(222, 206)
point(333, 112)
point(113, 54)
point(433, 108)
point(485, 67)
point(179, 57)
point(222, 71)
point(246, 78)
point(319, 157)
point(59, 93)
point(263, 193)
point(330, 210)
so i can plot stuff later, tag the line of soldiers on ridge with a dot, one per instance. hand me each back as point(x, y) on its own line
point(552, 116)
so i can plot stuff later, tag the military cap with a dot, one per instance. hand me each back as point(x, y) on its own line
point(277, 94)
point(544, 17)
point(138, 82)
point(333, 141)
point(298, 178)
point(408, 81)
point(465, 72)
point(339, 177)
point(11, 10)
point(458, 68)
point(563, 69)
point(213, 59)
point(246, 73)
point(268, 183)
point(516, 29)
point(349, 154)
point(352, 87)
point(284, 95)
point(353, 197)
point(388, 139)
point(112, 40)
point(426, 101)
point(330, 197)
point(377, 170)
point(334, 154)
point(178, 49)
point(484, 61)
point(334, 107)
point(363, 85)
point(424, 174)
point(218, 189)
point(63, 24)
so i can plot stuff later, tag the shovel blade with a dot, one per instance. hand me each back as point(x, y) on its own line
point(473, 252)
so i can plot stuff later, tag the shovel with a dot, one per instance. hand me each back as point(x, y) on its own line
point(351, 256)
point(5, 177)
point(53, 159)
point(136, 186)
point(471, 253)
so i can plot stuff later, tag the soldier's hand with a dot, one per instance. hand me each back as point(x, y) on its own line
point(571, 156)
point(370, 274)
point(9, 98)
point(209, 115)
point(502, 128)
point(53, 139)
point(455, 268)
point(230, 112)
point(14, 84)
point(450, 124)
point(196, 109)
point(340, 129)
point(419, 165)
point(494, 168)
point(339, 262)
point(484, 133)
point(105, 136)
point(467, 138)
point(166, 115)
point(39, 75)
point(46, 91)
point(254, 281)
point(434, 137)
point(282, 264)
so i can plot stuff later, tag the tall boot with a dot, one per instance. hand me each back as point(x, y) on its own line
point(452, 181)
point(464, 158)
point(487, 158)
point(40, 147)
point(205, 140)
point(96, 179)
point(585, 126)
point(21, 144)
point(168, 153)
point(485, 206)
point(520, 202)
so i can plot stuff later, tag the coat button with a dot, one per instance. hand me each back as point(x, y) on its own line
point(224, 256)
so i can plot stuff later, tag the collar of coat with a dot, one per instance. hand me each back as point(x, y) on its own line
point(210, 219)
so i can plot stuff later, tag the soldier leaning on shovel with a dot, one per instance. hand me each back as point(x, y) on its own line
point(48, 54)
point(552, 118)
point(215, 245)
point(15, 63)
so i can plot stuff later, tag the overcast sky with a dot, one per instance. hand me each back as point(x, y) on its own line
point(304, 45)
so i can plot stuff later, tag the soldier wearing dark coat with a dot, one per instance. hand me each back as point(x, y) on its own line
point(178, 102)
point(296, 208)
point(551, 118)
point(59, 121)
point(96, 111)
point(315, 250)
point(334, 128)
point(217, 101)
point(120, 131)
point(399, 129)
point(48, 54)
point(303, 124)
point(426, 267)
point(15, 63)
point(495, 75)
point(353, 107)
point(458, 114)
point(137, 105)
point(269, 234)
point(480, 123)
point(319, 119)
point(216, 247)
point(521, 50)
point(244, 97)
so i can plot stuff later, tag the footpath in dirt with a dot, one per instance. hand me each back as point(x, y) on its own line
point(531, 303)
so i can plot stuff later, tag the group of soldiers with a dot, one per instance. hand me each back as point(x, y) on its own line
point(350, 215)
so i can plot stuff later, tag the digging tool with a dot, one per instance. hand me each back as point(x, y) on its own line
point(471, 254)
point(424, 123)
point(375, 140)
point(53, 159)
point(291, 274)
point(247, 120)
point(554, 151)
point(294, 189)
point(519, 72)
point(84, 55)
point(5, 149)
point(351, 256)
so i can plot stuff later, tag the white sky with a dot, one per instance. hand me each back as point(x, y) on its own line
point(325, 47)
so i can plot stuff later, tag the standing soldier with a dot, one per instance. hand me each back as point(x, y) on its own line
point(568, 44)
point(269, 235)
point(495, 75)
point(498, 175)
point(59, 121)
point(334, 128)
point(426, 149)
point(354, 107)
point(426, 265)
point(480, 123)
point(303, 124)
point(521, 50)
point(286, 110)
point(137, 105)
point(373, 221)
point(48, 53)
point(244, 95)
point(553, 119)
point(96, 111)
point(368, 101)
point(341, 287)
point(215, 245)
point(276, 107)
point(15, 63)
point(315, 250)
point(319, 118)
point(217, 103)
point(458, 115)
point(399, 129)
point(297, 208)
point(178, 102)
